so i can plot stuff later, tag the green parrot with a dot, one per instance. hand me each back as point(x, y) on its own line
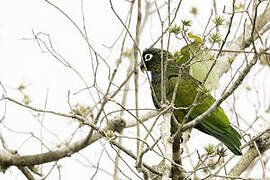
point(216, 124)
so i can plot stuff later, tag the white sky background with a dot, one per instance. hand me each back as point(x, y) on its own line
point(21, 61)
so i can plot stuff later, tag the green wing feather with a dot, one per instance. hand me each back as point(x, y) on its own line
point(216, 124)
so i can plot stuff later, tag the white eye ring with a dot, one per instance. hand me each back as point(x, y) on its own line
point(148, 57)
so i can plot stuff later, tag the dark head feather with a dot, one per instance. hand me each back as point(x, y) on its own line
point(152, 59)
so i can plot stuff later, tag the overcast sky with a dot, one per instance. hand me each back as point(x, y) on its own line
point(22, 61)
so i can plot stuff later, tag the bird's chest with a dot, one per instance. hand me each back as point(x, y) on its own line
point(156, 92)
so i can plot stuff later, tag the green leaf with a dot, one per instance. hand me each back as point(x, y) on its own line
point(110, 135)
point(210, 149)
point(221, 151)
point(201, 61)
point(196, 38)
point(219, 20)
point(215, 37)
point(186, 22)
point(175, 29)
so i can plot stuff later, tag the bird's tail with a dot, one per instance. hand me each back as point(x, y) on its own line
point(228, 135)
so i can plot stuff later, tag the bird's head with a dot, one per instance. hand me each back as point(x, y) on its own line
point(152, 59)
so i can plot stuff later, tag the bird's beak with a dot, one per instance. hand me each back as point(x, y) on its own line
point(142, 67)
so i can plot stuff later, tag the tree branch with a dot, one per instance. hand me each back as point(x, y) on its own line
point(166, 139)
point(263, 144)
point(238, 44)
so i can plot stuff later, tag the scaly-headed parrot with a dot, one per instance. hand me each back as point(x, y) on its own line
point(216, 124)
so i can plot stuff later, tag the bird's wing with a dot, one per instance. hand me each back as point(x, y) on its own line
point(186, 92)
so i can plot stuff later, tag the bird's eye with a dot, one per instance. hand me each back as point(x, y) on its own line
point(148, 57)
